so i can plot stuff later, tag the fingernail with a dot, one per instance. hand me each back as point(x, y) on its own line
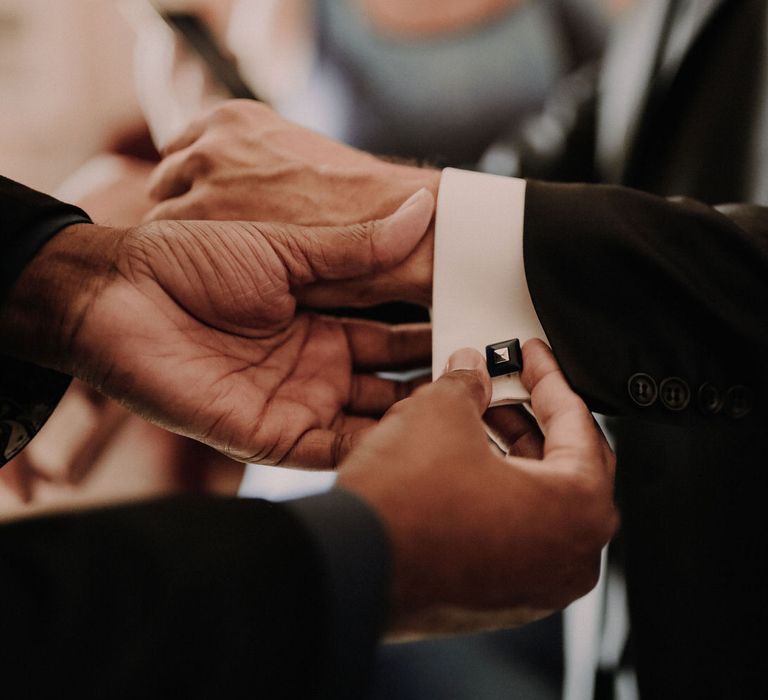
point(412, 200)
point(466, 358)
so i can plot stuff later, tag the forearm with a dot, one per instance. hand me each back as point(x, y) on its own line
point(625, 283)
point(41, 314)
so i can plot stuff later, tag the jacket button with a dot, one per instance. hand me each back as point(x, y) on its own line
point(642, 389)
point(738, 401)
point(674, 393)
point(710, 399)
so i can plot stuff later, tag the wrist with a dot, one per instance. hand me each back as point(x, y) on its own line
point(412, 280)
point(40, 319)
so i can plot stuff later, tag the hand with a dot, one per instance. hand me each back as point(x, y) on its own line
point(91, 449)
point(194, 326)
point(242, 161)
point(475, 534)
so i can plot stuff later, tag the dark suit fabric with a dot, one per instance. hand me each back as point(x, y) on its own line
point(187, 596)
point(626, 283)
point(195, 597)
point(164, 599)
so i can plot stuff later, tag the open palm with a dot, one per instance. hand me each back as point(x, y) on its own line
point(197, 329)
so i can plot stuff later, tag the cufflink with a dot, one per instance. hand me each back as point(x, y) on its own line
point(504, 358)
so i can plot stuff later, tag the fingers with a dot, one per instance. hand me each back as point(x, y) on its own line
point(515, 431)
point(448, 409)
point(445, 407)
point(564, 418)
point(340, 253)
point(372, 396)
point(324, 449)
point(192, 206)
point(379, 346)
point(187, 137)
point(175, 174)
point(465, 379)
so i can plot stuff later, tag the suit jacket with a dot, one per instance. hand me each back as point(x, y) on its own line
point(188, 596)
point(628, 284)
point(193, 597)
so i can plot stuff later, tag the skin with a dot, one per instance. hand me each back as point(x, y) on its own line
point(479, 539)
point(431, 17)
point(196, 328)
point(243, 161)
point(92, 450)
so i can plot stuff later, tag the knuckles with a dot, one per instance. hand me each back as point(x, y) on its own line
point(199, 160)
point(235, 111)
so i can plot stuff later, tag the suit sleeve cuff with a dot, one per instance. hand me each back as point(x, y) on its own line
point(28, 394)
point(480, 292)
point(355, 551)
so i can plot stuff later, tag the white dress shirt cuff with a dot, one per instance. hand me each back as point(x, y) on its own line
point(480, 294)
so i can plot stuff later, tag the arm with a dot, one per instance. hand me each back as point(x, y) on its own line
point(624, 283)
point(654, 307)
point(202, 596)
point(205, 594)
point(92, 449)
point(195, 327)
point(157, 595)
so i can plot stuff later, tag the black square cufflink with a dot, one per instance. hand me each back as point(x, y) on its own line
point(504, 357)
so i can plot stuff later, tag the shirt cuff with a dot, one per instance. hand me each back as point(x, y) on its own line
point(355, 550)
point(480, 293)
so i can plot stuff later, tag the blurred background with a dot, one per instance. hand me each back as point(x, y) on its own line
point(68, 68)
point(66, 85)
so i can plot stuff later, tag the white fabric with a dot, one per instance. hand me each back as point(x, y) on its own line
point(480, 293)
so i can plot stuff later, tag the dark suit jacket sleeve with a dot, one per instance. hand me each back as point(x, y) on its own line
point(28, 394)
point(194, 597)
point(625, 282)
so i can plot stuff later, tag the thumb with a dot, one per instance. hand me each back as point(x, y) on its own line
point(441, 417)
point(465, 378)
point(319, 253)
